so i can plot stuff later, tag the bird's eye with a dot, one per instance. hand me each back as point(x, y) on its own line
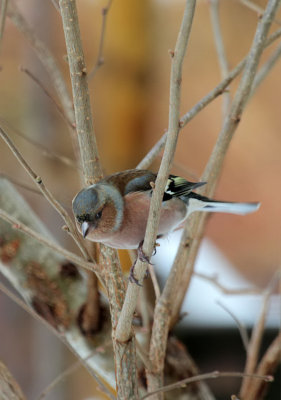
point(98, 215)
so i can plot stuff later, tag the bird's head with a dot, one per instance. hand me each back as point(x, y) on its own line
point(98, 209)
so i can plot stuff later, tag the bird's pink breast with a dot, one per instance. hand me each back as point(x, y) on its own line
point(136, 212)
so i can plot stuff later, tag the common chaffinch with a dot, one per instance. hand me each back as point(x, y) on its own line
point(115, 210)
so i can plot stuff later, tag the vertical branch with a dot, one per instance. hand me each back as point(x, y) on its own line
point(4, 5)
point(256, 338)
point(267, 365)
point(214, 10)
point(123, 331)
point(186, 118)
point(192, 236)
point(125, 357)
point(82, 107)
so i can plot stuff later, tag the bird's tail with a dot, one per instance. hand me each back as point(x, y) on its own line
point(197, 202)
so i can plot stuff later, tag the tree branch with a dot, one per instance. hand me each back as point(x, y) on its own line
point(213, 94)
point(3, 15)
point(214, 10)
point(47, 194)
point(193, 232)
point(50, 285)
point(267, 365)
point(125, 354)
point(209, 375)
point(49, 63)
point(16, 224)
point(9, 388)
point(81, 99)
point(123, 331)
point(256, 338)
point(100, 59)
point(48, 94)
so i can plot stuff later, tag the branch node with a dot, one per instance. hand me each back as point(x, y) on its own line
point(171, 53)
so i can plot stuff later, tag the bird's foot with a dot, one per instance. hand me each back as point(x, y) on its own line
point(132, 277)
point(142, 257)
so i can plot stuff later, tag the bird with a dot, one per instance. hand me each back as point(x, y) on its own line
point(114, 211)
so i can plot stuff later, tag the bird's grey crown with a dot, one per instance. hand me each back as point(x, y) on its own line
point(85, 204)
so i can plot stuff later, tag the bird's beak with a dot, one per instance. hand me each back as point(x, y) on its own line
point(85, 228)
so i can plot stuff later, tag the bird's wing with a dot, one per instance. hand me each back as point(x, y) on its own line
point(132, 180)
point(177, 187)
point(135, 180)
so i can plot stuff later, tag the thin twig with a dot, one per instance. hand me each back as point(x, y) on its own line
point(154, 281)
point(209, 375)
point(42, 239)
point(123, 330)
point(256, 337)
point(58, 334)
point(83, 114)
point(259, 10)
point(194, 232)
point(68, 371)
point(20, 184)
point(47, 194)
point(268, 363)
point(43, 149)
point(214, 10)
point(225, 290)
point(265, 69)
point(212, 95)
point(241, 327)
point(100, 58)
point(143, 355)
point(48, 94)
point(124, 352)
point(56, 5)
point(3, 15)
point(49, 63)
point(17, 300)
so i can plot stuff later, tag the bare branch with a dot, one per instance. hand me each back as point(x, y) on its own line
point(69, 371)
point(209, 375)
point(240, 325)
point(20, 184)
point(192, 234)
point(9, 388)
point(45, 57)
point(268, 363)
point(48, 94)
point(56, 5)
point(49, 284)
point(100, 58)
point(47, 194)
point(214, 10)
point(80, 362)
point(255, 7)
point(3, 15)
point(83, 115)
point(217, 91)
point(43, 149)
point(124, 352)
point(223, 289)
point(123, 331)
point(90, 266)
point(265, 69)
point(256, 338)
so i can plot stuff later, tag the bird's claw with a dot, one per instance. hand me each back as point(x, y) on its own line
point(143, 258)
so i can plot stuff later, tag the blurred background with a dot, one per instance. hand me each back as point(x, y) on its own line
point(130, 98)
